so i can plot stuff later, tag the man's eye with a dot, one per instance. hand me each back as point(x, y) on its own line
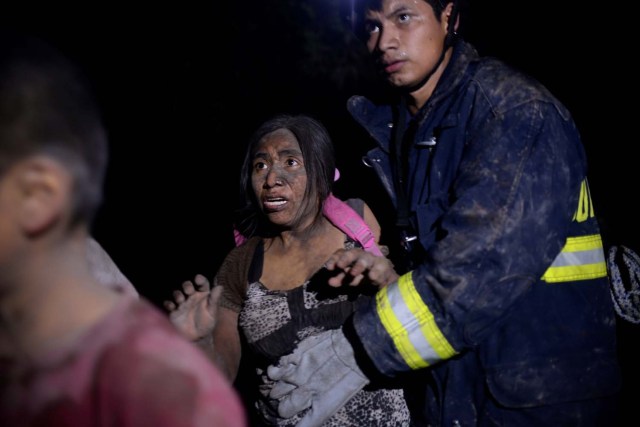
point(404, 17)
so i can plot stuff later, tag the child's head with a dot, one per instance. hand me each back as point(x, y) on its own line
point(47, 109)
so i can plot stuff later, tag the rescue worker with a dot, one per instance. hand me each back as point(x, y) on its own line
point(503, 314)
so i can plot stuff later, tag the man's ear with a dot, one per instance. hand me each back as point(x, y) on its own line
point(44, 190)
point(451, 16)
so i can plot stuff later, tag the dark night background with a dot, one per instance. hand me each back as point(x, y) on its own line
point(184, 84)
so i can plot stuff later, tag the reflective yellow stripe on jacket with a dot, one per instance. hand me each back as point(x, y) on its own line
point(411, 325)
point(582, 257)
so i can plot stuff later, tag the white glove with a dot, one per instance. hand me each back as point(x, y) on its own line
point(321, 374)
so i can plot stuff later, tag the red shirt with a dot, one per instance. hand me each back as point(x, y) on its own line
point(131, 369)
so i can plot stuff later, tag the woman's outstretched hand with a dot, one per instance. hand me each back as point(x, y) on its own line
point(193, 310)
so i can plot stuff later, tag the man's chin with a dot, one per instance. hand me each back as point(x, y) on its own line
point(397, 81)
point(400, 81)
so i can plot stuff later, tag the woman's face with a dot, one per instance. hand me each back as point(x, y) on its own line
point(279, 179)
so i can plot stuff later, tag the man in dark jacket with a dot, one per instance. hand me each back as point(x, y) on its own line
point(505, 308)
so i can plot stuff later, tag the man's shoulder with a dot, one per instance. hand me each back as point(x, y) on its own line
point(506, 86)
point(494, 73)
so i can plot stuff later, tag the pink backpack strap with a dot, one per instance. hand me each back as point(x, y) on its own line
point(238, 237)
point(352, 224)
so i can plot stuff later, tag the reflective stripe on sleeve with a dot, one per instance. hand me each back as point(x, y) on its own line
point(410, 324)
point(582, 258)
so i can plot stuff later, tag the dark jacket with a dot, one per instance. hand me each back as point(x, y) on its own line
point(510, 306)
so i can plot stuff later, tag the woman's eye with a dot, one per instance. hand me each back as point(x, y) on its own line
point(259, 165)
point(292, 162)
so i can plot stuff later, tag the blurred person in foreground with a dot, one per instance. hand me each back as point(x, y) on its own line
point(73, 351)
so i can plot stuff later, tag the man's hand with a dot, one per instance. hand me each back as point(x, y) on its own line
point(193, 310)
point(321, 374)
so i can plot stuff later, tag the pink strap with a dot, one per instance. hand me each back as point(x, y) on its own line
point(238, 237)
point(348, 220)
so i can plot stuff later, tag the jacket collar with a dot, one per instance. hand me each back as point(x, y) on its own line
point(452, 77)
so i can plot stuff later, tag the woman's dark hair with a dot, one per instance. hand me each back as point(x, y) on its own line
point(319, 160)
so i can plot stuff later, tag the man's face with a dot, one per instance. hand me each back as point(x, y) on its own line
point(406, 39)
